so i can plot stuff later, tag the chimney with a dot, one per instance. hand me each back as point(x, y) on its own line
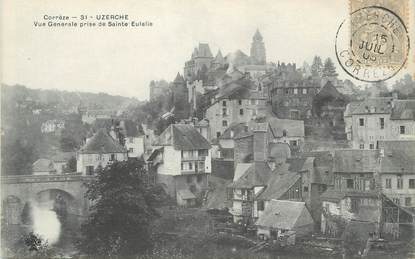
point(260, 142)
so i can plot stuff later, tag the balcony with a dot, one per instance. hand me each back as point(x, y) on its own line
point(195, 158)
point(192, 171)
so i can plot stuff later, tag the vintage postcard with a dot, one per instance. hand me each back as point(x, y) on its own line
point(207, 129)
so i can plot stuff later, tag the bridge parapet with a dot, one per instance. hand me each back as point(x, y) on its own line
point(76, 177)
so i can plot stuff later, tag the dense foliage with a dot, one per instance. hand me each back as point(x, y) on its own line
point(122, 211)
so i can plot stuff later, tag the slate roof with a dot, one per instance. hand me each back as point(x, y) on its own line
point(279, 183)
point(257, 36)
point(179, 79)
point(129, 128)
point(43, 165)
point(185, 194)
point(285, 215)
point(102, 143)
point(182, 137)
point(371, 105)
point(238, 89)
point(257, 174)
point(294, 128)
point(236, 127)
point(403, 110)
point(203, 51)
point(329, 90)
point(355, 160)
point(398, 156)
point(219, 58)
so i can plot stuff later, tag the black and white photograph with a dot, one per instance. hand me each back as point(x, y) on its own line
point(223, 129)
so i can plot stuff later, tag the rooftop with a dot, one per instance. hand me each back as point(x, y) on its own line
point(182, 137)
point(102, 143)
point(355, 160)
point(257, 174)
point(285, 215)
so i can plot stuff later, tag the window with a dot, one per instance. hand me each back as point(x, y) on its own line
point(396, 200)
point(412, 183)
point(241, 111)
point(147, 136)
point(217, 134)
point(199, 178)
point(182, 166)
point(224, 103)
point(224, 112)
point(402, 129)
point(202, 152)
point(225, 123)
point(362, 146)
point(260, 205)
point(304, 90)
point(408, 201)
point(190, 166)
point(350, 183)
point(287, 91)
point(284, 133)
point(372, 146)
point(382, 123)
point(89, 170)
point(399, 183)
point(388, 183)
point(295, 91)
point(305, 188)
point(240, 102)
point(253, 112)
point(131, 150)
point(361, 122)
point(112, 158)
point(293, 143)
point(189, 179)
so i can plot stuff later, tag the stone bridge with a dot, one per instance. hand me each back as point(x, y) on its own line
point(61, 193)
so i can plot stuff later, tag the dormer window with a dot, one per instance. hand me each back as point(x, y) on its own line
point(224, 103)
point(284, 133)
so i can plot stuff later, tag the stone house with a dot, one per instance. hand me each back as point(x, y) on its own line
point(181, 161)
point(281, 217)
point(377, 119)
point(237, 101)
point(397, 171)
point(100, 150)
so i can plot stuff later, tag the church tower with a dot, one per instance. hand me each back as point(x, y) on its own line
point(258, 50)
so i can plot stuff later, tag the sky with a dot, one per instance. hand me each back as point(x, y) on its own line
point(123, 61)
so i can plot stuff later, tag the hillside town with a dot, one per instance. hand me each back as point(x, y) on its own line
point(285, 157)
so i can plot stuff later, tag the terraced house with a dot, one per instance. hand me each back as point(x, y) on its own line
point(377, 119)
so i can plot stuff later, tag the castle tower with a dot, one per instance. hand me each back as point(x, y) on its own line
point(258, 50)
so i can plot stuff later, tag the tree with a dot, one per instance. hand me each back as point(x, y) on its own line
point(71, 165)
point(317, 66)
point(329, 70)
point(121, 213)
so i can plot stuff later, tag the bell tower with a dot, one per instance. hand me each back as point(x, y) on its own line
point(258, 49)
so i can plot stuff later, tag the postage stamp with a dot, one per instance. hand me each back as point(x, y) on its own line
point(373, 43)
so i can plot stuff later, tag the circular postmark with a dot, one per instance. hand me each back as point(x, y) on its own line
point(372, 45)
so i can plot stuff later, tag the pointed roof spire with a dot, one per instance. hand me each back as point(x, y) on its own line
point(219, 58)
point(257, 36)
point(179, 79)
